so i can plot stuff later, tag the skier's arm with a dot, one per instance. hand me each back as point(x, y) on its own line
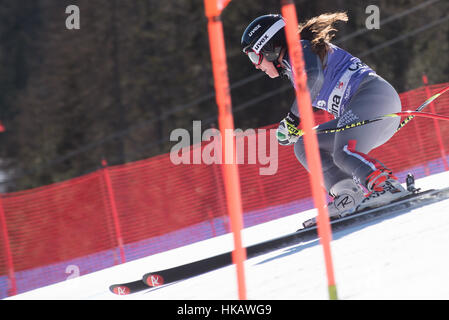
point(315, 74)
point(288, 131)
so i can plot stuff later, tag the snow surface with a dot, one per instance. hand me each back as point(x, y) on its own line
point(402, 256)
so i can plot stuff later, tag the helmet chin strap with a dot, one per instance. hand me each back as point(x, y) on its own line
point(281, 70)
point(274, 57)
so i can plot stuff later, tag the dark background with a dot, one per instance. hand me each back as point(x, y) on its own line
point(138, 69)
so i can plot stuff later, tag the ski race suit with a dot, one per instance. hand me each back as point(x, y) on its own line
point(351, 91)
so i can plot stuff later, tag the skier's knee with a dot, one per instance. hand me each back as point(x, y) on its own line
point(339, 157)
point(300, 151)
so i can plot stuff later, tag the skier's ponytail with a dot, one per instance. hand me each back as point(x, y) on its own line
point(318, 30)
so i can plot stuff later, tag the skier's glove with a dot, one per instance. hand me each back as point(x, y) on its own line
point(288, 132)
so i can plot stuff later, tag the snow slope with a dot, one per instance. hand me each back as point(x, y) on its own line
point(402, 256)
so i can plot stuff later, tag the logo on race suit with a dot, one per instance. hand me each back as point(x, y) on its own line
point(250, 34)
point(348, 92)
point(355, 66)
point(342, 89)
point(335, 106)
point(340, 85)
point(260, 43)
point(155, 280)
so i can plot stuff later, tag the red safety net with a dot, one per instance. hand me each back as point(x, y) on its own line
point(154, 205)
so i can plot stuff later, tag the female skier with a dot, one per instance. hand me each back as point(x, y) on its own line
point(348, 89)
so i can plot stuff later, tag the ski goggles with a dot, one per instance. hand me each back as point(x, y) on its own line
point(254, 57)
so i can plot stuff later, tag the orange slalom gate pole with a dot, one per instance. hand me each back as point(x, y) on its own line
point(231, 178)
point(9, 260)
point(435, 124)
point(310, 139)
point(111, 196)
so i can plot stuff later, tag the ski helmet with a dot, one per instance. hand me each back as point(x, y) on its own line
point(264, 37)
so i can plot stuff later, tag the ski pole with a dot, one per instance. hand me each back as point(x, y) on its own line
point(410, 115)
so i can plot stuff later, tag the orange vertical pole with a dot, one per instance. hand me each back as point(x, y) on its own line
point(310, 139)
point(221, 199)
point(436, 124)
point(231, 178)
point(8, 253)
point(115, 217)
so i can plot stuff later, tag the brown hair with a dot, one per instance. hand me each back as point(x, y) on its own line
point(318, 31)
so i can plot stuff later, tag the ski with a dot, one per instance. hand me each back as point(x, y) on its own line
point(171, 275)
point(414, 197)
point(128, 287)
point(406, 203)
point(185, 271)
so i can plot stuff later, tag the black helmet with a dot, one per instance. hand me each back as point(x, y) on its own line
point(264, 36)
